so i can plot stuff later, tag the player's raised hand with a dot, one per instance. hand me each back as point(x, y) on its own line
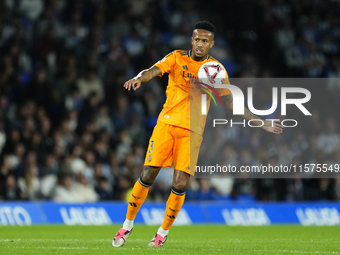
point(133, 83)
point(273, 126)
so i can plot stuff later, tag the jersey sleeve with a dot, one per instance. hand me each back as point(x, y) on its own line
point(167, 63)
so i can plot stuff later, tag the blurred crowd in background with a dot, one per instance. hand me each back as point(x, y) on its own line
point(70, 132)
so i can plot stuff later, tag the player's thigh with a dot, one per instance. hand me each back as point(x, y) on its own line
point(159, 152)
point(186, 150)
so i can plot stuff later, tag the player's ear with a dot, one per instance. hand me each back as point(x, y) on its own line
point(212, 44)
point(192, 41)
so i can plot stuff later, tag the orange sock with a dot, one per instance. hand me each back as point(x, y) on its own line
point(137, 198)
point(173, 206)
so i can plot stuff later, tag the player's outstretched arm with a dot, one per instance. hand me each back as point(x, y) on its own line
point(144, 76)
point(272, 126)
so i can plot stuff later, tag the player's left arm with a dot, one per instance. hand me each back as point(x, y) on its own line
point(269, 126)
point(144, 76)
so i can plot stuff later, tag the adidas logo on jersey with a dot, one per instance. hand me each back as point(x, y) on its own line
point(185, 67)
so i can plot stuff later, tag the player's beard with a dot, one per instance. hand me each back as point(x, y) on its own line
point(198, 57)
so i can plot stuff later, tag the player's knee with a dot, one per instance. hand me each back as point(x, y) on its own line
point(149, 174)
point(180, 180)
point(180, 185)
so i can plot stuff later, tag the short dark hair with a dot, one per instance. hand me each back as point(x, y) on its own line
point(206, 25)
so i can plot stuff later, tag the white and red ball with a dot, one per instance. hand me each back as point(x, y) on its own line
point(212, 73)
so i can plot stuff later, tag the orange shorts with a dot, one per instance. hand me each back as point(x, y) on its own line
point(169, 144)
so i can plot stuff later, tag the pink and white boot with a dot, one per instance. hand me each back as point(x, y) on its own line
point(120, 238)
point(157, 241)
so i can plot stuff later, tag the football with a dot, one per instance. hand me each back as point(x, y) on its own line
point(212, 73)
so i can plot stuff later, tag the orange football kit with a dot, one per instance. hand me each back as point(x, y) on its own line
point(177, 137)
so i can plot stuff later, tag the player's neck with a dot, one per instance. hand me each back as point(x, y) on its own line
point(198, 59)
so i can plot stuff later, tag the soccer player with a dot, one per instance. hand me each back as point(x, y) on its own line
point(170, 140)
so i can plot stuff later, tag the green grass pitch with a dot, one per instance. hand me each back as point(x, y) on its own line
point(200, 239)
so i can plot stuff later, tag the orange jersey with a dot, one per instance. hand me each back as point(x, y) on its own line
point(182, 107)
